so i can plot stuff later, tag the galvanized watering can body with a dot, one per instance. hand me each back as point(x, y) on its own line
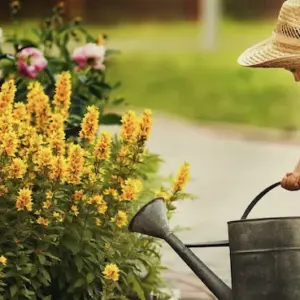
point(265, 259)
point(264, 253)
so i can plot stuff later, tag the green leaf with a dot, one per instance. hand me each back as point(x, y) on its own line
point(70, 242)
point(90, 277)
point(78, 283)
point(42, 259)
point(13, 290)
point(78, 263)
point(96, 91)
point(111, 119)
point(136, 286)
point(47, 297)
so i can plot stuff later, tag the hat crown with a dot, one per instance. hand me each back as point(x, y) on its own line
point(288, 23)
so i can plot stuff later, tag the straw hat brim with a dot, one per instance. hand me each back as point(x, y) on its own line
point(270, 54)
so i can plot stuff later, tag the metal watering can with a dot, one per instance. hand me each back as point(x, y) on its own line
point(264, 253)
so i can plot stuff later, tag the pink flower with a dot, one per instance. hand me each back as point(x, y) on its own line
point(30, 62)
point(90, 55)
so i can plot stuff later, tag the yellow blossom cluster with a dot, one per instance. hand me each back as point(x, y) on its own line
point(54, 181)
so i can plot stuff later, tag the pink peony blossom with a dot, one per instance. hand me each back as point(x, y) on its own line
point(90, 55)
point(30, 62)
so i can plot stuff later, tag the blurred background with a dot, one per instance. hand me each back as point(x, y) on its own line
point(179, 58)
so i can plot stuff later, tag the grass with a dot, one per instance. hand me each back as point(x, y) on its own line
point(163, 67)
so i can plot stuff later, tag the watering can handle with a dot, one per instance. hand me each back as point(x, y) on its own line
point(257, 199)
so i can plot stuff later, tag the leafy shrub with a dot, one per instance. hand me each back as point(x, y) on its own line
point(65, 202)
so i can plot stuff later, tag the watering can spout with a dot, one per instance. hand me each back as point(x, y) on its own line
point(152, 220)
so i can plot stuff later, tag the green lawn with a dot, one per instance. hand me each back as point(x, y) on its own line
point(163, 67)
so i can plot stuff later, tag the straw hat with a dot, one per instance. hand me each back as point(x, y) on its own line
point(282, 49)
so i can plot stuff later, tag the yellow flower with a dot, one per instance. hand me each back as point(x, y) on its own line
point(162, 194)
point(90, 123)
point(75, 164)
point(62, 97)
point(24, 200)
point(47, 204)
point(107, 245)
point(98, 199)
point(100, 40)
point(44, 158)
point(3, 190)
point(17, 168)
point(130, 126)
point(49, 195)
point(75, 210)
point(9, 143)
point(145, 125)
point(78, 195)
point(112, 192)
point(102, 148)
point(111, 272)
point(58, 168)
point(7, 94)
point(181, 178)
point(120, 219)
point(57, 144)
point(102, 207)
point(3, 260)
point(59, 217)
point(98, 222)
point(130, 189)
point(43, 221)
point(35, 142)
point(20, 112)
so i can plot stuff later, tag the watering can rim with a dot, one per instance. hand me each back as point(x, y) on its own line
point(142, 209)
point(263, 219)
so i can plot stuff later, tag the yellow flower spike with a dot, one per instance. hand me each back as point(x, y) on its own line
point(181, 178)
point(130, 127)
point(10, 144)
point(20, 112)
point(17, 168)
point(111, 272)
point(120, 219)
point(90, 123)
point(63, 91)
point(3, 260)
point(58, 169)
point(75, 164)
point(145, 125)
point(130, 189)
point(7, 94)
point(75, 210)
point(43, 221)
point(102, 148)
point(24, 199)
point(44, 158)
